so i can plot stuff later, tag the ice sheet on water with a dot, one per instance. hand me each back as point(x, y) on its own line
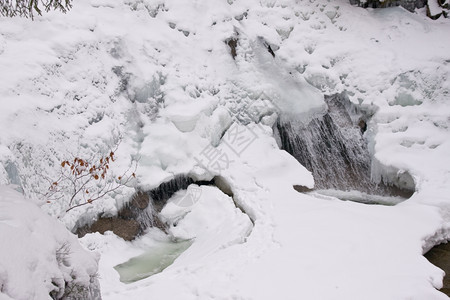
point(153, 261)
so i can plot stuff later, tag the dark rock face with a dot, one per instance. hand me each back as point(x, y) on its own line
point(164, 191)
point(333, 148)
point(126, 229)
point(410, 5)
point(232, 43)
point(302, 189)
point(131, 221)
point(440, 256)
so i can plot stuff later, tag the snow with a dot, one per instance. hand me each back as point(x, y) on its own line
point(159, 77)
point(435, 9)
point(38, 254)
point(212, 213)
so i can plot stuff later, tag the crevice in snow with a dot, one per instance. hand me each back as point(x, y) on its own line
point(232, 44)
point(270, 47)
point(222, 184)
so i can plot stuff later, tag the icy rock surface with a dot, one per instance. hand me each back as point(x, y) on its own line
point(154, 261)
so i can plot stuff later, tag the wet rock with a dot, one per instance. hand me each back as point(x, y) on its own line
point(302, 189)
point(410, 5)
point(232, 43)
point(126, 229)
point(440, 256)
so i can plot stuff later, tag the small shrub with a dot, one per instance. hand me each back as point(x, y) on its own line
point(87, 180)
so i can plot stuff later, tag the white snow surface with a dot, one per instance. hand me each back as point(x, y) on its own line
point(38, 254)
point(159, 76)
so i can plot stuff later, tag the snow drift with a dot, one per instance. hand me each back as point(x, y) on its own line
point(39, 256)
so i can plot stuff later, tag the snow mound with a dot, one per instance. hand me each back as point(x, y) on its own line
point(213, 212)
point(39, 256)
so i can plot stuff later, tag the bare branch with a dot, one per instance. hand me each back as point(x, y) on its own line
point(27, 8)
point(87, 181)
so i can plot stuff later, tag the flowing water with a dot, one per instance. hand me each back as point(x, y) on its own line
point(332, 146)
point(356, 196)
point(153, 261)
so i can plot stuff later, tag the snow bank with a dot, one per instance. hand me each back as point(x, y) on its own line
point(39, 257)
point(213, 214)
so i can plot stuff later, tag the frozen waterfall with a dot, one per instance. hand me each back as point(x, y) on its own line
point(332, 146)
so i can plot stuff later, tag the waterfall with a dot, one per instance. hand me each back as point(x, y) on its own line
point(141, 212)
point(165, 190)
point(333, 148)
point(145, 205)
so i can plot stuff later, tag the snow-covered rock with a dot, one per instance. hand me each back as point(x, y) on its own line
point(39, 257)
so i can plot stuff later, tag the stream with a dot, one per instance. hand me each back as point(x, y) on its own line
point(357, 196)
point(152, 261)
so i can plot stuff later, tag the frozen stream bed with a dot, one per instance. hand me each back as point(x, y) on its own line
point(211, 225)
